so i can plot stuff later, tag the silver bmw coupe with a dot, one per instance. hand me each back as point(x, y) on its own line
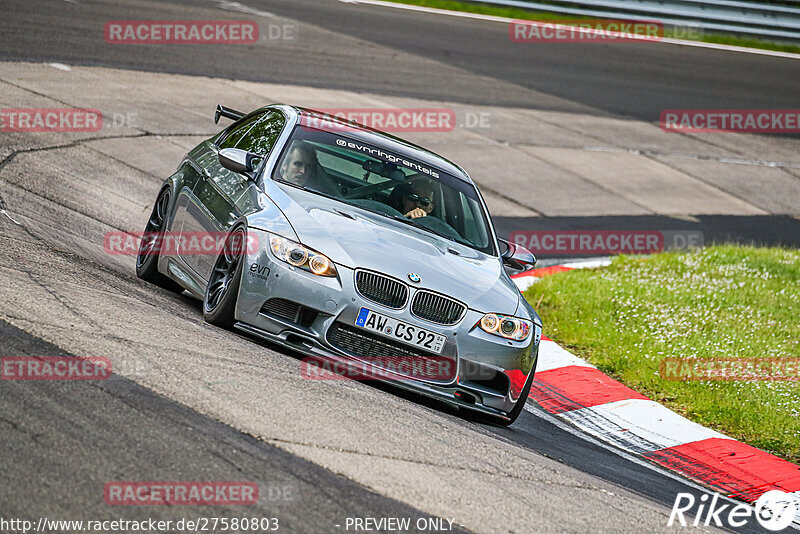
point(366, 253)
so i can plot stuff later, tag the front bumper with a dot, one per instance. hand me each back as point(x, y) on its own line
point(488, 371)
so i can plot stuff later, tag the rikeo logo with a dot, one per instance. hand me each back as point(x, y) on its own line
point(775, 510)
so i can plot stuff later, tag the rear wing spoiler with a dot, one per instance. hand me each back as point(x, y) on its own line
point(228, 113)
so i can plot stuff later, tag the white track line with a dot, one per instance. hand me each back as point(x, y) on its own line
point(239, 8)
point(588, 264)
point(506, 20)
point(566, 426)
point(639, 425)
point(525, 282)
point(796, 496)
point(552, 356)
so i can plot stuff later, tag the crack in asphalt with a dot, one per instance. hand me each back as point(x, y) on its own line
point(4, 211)
point(79, 142)
point(15, 152)
point(37, 93)
point(130, 166)
point(703, 157)
point(427, 463)
point(96, 330)
point(118, 292)
point(228, 461)
point(650, 155)
point(60, 300)
point(22, 430)
point(81, 262)
point(68, 208)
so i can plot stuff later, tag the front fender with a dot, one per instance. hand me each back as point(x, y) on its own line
point(271, 219)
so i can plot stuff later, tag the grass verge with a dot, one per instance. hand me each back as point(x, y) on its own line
point(524, 14)
point(719, 302)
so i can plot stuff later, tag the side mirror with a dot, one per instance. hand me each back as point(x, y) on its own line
point(237, 160)
point(516, 256)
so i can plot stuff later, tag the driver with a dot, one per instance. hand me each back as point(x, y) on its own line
point(300, 167)
point(414, 199)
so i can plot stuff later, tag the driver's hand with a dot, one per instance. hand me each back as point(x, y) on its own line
point(416, 212)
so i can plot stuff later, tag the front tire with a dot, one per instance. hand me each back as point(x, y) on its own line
point(222, 290)
point(149, 248)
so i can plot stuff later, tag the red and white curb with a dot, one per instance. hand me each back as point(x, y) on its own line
point(525, 279)
point(575, 391)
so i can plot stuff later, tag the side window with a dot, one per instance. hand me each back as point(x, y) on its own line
point(239, 131)
point(473, 230)
point(257, 134)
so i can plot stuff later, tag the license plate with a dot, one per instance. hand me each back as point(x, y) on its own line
point(400, 331)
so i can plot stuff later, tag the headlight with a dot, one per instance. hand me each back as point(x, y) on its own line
point(300, 256)
point(504, 326)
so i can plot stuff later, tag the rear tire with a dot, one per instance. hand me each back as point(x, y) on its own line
point(149, 248)
point(222, 290)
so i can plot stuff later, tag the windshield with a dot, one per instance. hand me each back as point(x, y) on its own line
point(377, 180)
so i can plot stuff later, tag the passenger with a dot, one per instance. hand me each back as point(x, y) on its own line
point(413, 199)
point(300, 166)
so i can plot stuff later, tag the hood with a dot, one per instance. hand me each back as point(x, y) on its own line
point(358, 238)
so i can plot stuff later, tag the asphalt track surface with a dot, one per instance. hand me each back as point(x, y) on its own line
point(63, 441)
point(78, 436)
point(629, 79)
point(392, 51)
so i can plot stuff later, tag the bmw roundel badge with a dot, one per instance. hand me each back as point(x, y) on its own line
point(414, 278)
